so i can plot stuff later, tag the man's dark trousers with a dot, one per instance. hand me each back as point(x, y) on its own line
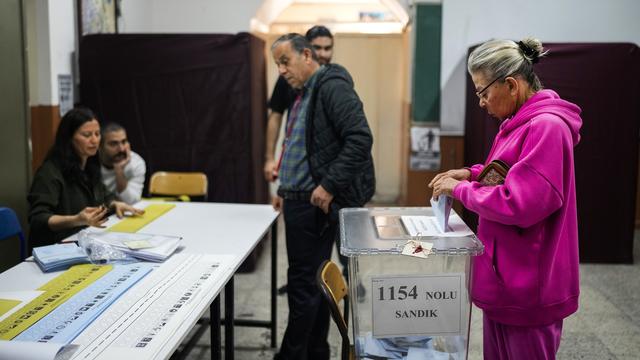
point(310, 234)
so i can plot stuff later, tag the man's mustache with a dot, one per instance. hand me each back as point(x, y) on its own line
point(120, 155)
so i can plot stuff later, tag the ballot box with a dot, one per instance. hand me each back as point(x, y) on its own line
point(414, 306)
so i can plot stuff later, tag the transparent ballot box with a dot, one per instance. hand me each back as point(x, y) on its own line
point(412, 307)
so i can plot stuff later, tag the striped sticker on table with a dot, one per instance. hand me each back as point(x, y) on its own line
point(134, 223)
point(68, 320)
point(56, 292)
point(144, 322)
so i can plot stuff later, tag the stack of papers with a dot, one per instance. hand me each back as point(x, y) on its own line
point(59, 256)
point(405, 347)
point(146, 247)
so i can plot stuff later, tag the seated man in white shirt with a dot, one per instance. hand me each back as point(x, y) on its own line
point(122, 170)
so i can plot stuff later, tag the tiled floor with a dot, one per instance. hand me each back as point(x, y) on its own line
point(607, 325)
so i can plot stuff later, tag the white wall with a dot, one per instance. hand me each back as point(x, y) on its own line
point(62, 31)
point(467, 23)
point(51, 41)
point(187, 16)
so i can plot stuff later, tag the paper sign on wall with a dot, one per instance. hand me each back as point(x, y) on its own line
point(65, 93)
point(425, 148)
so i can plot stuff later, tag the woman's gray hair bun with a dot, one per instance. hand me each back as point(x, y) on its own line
point(531, 49)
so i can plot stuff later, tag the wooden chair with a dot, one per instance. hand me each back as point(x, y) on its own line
point(10, 227)
point(334, 288)
point(178, 184)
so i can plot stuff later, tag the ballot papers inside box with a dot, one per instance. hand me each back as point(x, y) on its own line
point(413, 306)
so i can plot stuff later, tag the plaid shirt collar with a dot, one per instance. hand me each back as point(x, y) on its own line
point(311, 81)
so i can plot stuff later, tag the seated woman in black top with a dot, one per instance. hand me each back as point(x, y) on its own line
point(67, 193)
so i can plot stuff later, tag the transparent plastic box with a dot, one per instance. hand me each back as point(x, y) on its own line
point(411, 306)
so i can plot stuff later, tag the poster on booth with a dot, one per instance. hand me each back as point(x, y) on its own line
point(418, 305)
point(425, 148)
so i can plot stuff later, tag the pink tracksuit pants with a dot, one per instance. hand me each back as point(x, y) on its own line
point(507, 342)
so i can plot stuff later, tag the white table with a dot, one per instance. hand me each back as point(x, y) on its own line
point(206, 228)
point(214, 228)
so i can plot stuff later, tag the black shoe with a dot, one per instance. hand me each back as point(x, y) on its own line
point(282, 290)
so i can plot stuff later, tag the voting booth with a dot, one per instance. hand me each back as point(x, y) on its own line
point(416, 279)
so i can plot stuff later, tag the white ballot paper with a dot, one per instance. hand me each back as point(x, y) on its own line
point(418, 225)
point(441, 209)
point(25, 350)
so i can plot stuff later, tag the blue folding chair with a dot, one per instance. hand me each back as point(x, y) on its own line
point(10, 227)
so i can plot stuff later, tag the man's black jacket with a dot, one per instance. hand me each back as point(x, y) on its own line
point(339, 140)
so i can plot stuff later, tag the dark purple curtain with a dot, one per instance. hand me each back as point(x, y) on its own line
point(194, 102)
point(604, 80)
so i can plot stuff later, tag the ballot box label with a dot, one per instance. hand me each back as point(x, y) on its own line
point(430, 305)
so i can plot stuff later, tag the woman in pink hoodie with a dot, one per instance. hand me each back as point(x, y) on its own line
point(527, 280)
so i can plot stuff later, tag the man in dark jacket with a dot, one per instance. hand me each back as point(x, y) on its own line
point(283, 96)
point(325, 165)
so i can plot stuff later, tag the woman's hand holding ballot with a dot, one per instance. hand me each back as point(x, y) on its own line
point(444, 183)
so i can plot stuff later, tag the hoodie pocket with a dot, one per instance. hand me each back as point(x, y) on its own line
point(487, 286)
point(494, 262)
point(515, 261)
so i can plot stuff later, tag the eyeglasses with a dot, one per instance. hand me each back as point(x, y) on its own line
point(479, 93)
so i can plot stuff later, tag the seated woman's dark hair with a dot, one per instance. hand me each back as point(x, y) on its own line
point(63, 153)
